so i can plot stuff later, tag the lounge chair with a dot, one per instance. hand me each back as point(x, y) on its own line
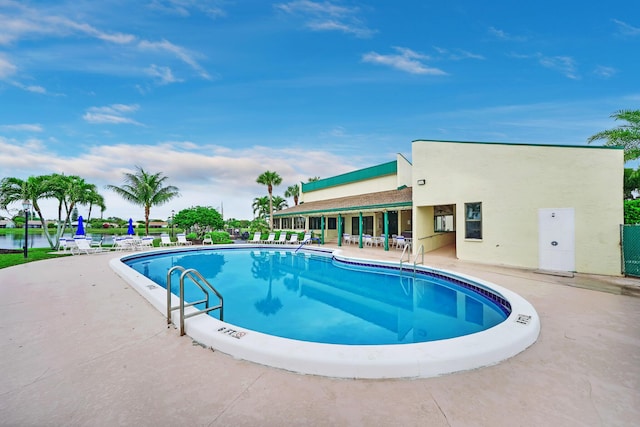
point(271, 238)
point(182, 239)
point(165, 240)
point(282, 238)
point(293, 239)
point(307, 239)
point(123, 244)
point(146, 242)
point(207, 241)
point(256, 237)
point(83, 245)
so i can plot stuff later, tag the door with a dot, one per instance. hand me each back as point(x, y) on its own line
point(556, 239)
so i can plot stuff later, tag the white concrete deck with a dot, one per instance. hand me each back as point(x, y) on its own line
point(78, 346)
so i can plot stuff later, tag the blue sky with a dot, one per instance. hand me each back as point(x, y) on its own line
point(213, 93)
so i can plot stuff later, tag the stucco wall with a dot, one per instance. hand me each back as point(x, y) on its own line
point(513, 182)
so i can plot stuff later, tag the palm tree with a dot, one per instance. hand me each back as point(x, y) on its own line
point(270, 179)
point(627, 135)
point(279, 203)
point(145, 189)
point(260, 207)
point(293, 191)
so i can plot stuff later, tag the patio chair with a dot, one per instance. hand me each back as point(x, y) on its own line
point(346, 238)
point(307, 239)
point(165, 240)
point(83, 245)
point(293, 239)
point(256, 237)
point(400, 242)
point(146, 242)
point(282, 238)
point(368, 240)
point(207, 240)
point(182, 239)
point(123, 244)
point(271, 238)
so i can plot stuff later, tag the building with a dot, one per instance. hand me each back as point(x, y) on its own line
point(548, 207)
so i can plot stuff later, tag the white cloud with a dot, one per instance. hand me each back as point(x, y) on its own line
point(604, 72)
point(327, 16)
point(626, 29)
point(23, 127)
point(564, 64)
point(163, 75)
point(406, 60)
point(112, 114)
point(7, 68)
point(457, 54)
point(211, 176)
point(177, 51)
point(503, 35)
point(184, 8)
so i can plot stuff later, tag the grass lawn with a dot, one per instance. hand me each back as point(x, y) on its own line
point(35, 254)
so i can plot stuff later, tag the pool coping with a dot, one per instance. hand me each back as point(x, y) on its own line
point(421, 360)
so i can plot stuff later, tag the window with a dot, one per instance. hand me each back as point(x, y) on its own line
point(332, 223)
point(276, 223)
point(443, 218)
point(473, 220)
point(285, 224)
point(315, 223)
point(298, 223)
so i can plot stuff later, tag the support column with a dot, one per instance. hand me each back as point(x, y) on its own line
point(322, 229)
point(360, 227)
point(339, 229)
point(386, 231)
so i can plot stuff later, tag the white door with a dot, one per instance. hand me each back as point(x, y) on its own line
point(556, 229)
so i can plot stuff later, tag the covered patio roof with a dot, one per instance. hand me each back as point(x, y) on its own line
point(389, 200)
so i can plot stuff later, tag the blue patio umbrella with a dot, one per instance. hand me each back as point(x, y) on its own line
point(130, 230)
point(80, 230)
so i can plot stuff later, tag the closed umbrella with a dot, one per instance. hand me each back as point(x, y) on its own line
point(130, 231)
point(80, 230)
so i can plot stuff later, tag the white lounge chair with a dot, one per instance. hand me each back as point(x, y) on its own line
point(207, 241)
point(293, 239)
point(83, 245)
point(182, 239)
point(282, 238)
point(307, 239)
point(256, 237)
point(123, 244)
point(165, 240)
point(271, 238)
point(146, 242)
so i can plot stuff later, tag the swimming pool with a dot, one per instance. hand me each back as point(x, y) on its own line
point(374, 354)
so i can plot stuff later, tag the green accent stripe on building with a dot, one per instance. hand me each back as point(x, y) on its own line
point(522, 144)
point(350, 177)
point(346, 209)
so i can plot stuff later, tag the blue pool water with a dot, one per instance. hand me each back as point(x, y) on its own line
point(313, 297)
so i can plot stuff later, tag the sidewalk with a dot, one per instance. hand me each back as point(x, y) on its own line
point(80, 347)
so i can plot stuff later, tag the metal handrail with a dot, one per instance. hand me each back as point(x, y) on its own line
point(199, 281)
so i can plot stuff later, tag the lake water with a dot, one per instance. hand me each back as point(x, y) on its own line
point(16, 241)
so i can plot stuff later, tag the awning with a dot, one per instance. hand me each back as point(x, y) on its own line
point(380, 201)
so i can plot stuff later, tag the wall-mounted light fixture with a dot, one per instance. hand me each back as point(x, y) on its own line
point(422, 181)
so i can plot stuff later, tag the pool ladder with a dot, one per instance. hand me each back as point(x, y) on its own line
point(407, 289)
point(201, 282)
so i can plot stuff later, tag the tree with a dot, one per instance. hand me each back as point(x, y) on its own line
point(68, 190)
point(626, 135)
point(293, 191)
point(270, 179)
point(146, 190)
point(199, 220)
point(279, 203)
point(631, 182)
point(260, 207)
point(314, 179)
